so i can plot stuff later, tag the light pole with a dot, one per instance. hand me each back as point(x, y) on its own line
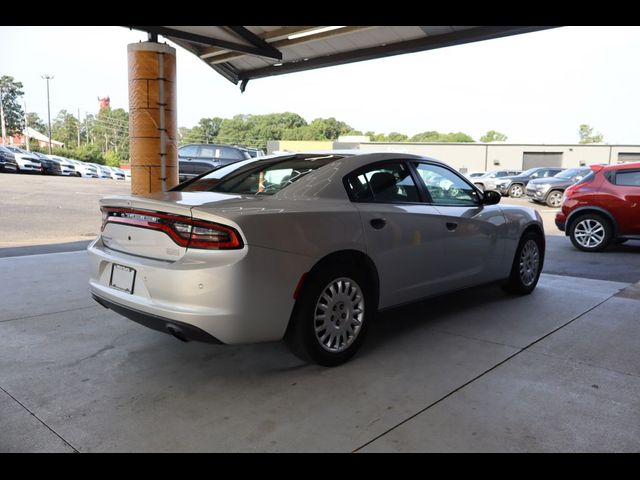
point(47, 78)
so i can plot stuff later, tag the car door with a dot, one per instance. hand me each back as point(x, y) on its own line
point(403, 234)
point(474, 233)
point(628, 213)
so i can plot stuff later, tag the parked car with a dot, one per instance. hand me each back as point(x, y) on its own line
point(515, 185)
point(253, 152)
point(27, 161)
point(8, 161)
point(195, 159)
point(127, 173)
point(488, 180)
point(55, 165)
point(85, 169)
point(102, 171)
point(117, 173)
point(322, 242)
point(475, 174)
point(549, 190)
point(602, 208)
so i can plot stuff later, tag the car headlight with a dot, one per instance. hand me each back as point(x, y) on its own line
point(542, 186)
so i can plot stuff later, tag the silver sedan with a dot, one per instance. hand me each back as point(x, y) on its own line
point(307, 248)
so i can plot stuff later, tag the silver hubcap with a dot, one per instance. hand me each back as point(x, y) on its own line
point(529, 262)
point(516, 191)
point(554, 199)
point(338, 315)
point(589, 233)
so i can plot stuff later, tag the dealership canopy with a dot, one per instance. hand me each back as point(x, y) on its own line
point(243, 53)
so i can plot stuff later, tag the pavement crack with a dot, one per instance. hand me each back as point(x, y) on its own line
point(75, 450)
point(102, 350)
point(48, 313)
point(477, 377)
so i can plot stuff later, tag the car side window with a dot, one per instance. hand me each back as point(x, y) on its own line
point(628, 179)
point(501, 174)
point(188, 151)
point(445, 187)
point(387, 183)
point(207, 151)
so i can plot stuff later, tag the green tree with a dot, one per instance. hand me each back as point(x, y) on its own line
point(35, 122)
point(207, 129)
point(493, 136)
point(397, 137)
point(433, 136)
point(328, 128)
point(11, 91)
point(587, 136)
point(64, 128)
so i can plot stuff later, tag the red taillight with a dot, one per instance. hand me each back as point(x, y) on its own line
point(184, 231)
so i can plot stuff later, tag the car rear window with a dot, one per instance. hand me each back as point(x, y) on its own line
point(258, 177)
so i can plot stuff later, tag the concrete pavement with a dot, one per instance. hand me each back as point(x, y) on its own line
point(478, 370)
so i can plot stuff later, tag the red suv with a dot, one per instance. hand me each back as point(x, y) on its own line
point(603, 207)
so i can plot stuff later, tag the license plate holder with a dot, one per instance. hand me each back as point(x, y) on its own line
point(122, 278)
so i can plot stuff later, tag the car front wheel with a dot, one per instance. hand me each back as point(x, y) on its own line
point(590, 232)
point(554, 199)
point(516, 191)
point(331, 315)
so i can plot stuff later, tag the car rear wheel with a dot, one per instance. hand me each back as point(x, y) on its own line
point(590, 232)
point(527, 264)
point(516, 191)
point(554, 199)
point(331, 315)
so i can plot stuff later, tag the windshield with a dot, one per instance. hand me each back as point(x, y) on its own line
point(570, 173)
point(258, 177)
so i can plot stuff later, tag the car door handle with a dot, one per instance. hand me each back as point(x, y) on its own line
point(451, 226)
point(378, 223)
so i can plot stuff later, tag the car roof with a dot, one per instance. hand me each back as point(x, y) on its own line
point(623, 166)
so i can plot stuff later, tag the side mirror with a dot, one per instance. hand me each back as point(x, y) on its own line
point(491, 197)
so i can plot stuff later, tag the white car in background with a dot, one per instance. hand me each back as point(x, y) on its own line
point(117, 173)
point(306, 247)
point(67, 167)
point(84, 169)
point(27, 161)
point(103, 171)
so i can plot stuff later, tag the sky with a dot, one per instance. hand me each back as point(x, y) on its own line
point(535, 88)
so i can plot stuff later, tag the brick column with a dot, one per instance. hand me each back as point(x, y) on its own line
point(152, 118)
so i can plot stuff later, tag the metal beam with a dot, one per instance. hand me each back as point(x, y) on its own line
point(204, 40)
point(409, 46)
point(252, 38)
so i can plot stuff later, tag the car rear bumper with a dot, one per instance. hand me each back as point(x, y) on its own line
point(180, 330)
point(234, 296)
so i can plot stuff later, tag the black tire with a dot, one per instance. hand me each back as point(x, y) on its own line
point(554, 199)
point(523, 279)
point(516, 190)
point(301, 335)
point(601, 230)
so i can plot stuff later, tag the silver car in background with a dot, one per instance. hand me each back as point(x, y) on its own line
point(306, 247)
point(488, 181)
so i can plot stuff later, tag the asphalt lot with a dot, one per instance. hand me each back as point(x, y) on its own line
point(478, 370)
point(37, 209)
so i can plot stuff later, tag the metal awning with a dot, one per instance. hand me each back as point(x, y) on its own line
point(242, 53)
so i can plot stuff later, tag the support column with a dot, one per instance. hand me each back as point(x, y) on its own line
point(153, 128)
